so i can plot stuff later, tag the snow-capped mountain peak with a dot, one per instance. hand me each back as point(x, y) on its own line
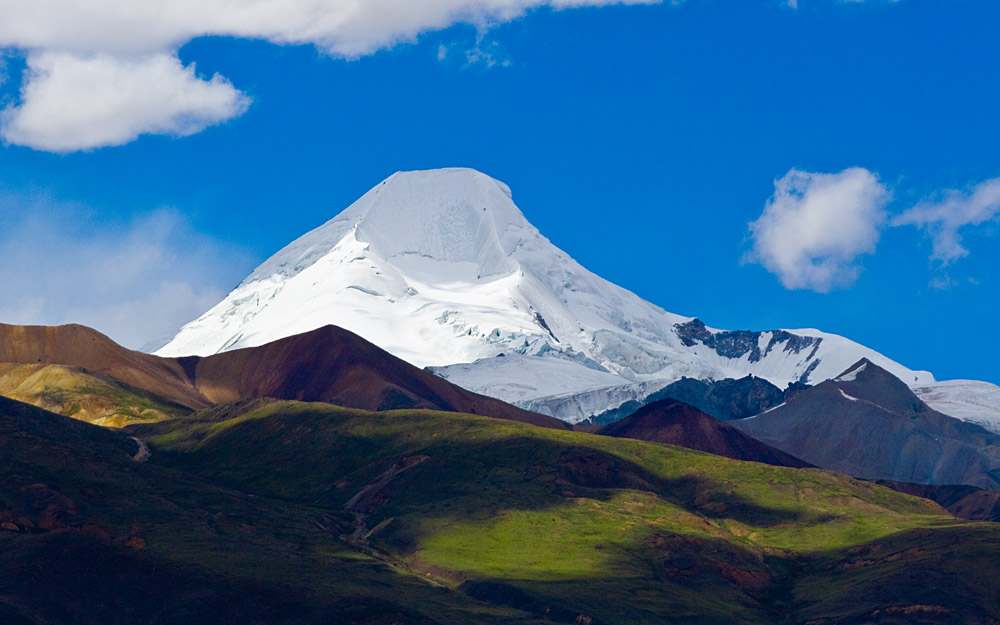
point(438, 267)
point(442, 269)
point(454, 216)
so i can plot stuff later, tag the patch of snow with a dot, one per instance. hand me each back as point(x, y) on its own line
point(851, 375)
point(968, 400)
point(765, 412)
point(846, 396)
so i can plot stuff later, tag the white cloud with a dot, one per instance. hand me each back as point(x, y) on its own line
point(71, 103)
point(136, 281)
point(815, 227)
point(81, 53)
point(944, 217)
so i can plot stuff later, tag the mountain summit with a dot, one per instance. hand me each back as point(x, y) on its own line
point(442, 269)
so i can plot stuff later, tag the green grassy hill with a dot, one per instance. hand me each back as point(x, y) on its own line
point(90, 536)
point(573, 527)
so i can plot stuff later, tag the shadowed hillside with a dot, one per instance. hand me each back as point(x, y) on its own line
point(336, 366)
point(965, 502)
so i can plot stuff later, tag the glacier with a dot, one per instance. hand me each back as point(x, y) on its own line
point(442, 269)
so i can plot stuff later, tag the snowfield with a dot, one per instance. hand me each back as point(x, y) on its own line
point(968, 400)
point(442, 269)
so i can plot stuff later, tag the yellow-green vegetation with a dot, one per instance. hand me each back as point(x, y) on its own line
point(76, 393)
point(573, 525)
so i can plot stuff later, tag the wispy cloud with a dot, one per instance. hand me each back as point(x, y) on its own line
point(103, 73)
point(484, 53)
point(816, 227)
point(945, 217)
point(136, 281)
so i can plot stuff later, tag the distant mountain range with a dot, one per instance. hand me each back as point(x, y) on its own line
point(442, 269)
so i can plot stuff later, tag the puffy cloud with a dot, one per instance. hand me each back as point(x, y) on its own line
point(99, 56)
point(816, 226)
point(943, 218)
point(73, 103)
point(137, 281)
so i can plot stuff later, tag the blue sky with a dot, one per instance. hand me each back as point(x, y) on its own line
point(643, 140)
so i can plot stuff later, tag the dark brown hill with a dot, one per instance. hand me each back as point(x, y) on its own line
point(868, 424)
point(335, 366)
point(326, 365)
point(676, 423)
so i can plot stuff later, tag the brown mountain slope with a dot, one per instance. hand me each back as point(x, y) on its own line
point(90, 397)
point(87, 349)
point(326, 365)
point(676, 423)
point(868, 424)
point(336, 366)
